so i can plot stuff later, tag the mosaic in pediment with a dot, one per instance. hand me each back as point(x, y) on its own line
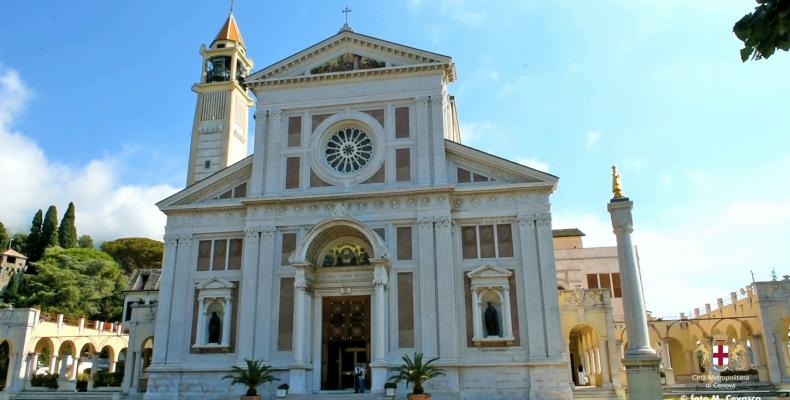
point(347, 62)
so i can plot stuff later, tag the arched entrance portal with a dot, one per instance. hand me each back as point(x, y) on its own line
point(341, 276)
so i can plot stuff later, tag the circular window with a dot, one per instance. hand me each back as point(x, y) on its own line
point(348, 150)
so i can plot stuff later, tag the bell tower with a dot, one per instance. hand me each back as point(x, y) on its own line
point(220, 128)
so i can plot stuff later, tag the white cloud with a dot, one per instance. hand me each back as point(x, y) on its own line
point(477, 133)
point(106, 208)
point(592, 137)
point(534, 163)
point(666, 179)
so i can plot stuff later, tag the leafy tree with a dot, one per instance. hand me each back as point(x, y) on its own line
point(33, 242)
point(18, 243)
point(85, 242)
point(3, 238)
point(134, 253)
point(76, 282)
point(67, 232)
point(765, 29)
point(11, 292)
point(49, 229)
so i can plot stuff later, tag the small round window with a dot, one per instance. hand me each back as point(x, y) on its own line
point(348, 150)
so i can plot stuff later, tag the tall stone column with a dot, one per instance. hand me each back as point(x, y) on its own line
point(162, 326)
point(548, 284)
point(640, 360)
point(262, 333)
point(666, 359)
point(379, 324)
point(259, 157)
point(248, 296)
point(423, 138)
point(272, 177)
point(298, 367)
point(603, 353)
point(531, 286)
point(178, 340)
point(427, 279)
point(445, 279)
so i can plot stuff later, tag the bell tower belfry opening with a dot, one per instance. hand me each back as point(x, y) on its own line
point(220, 129)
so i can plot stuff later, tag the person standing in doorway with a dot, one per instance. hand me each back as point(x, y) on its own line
point(361, 377)
point(356, 379)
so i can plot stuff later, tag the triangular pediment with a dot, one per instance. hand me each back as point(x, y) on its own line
point(488, 169)
point(226, 185)
point(214, 283)
point(489, 271)
point(349, 52)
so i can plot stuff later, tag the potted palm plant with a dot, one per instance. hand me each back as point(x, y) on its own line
point(417, 372)
point(256, 374)
point(282, 390)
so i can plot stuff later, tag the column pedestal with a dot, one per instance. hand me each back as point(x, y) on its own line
point(643, 377)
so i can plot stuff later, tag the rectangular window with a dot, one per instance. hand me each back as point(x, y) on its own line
point(402, 165)
point(294, 131)
point(469, 241)
point(405, 310)
point(463, 175)
point(207, 164)
point(204, 255)
point(220, 247)
point(288, 246)
point(401, 122)
point(592, 281)
point(616, 288)
point(286, 315)
point(504, 236)
point(234, 259)
point(404, 243)
point(292, 173)
point(487, 249)
point(604, 282)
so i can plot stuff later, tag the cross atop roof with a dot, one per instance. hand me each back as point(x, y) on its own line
point(346, 26)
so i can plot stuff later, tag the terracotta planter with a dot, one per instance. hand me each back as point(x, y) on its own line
point(250, 397)
point(424, 396)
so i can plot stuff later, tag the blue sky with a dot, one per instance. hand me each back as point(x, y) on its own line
point(96, 107)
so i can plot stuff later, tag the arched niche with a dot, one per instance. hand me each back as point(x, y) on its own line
point(491, 306)
point(214, 312)
point(336, 230)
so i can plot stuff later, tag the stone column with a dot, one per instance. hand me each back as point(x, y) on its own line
point(379, 319)
point(138, 365)
point(422, 135)
point(200, 329)
point(747, 364)
point(507, 322)
point(666, 359)
point(53, 364)
point(536, 342)
point(64, 367)
point(260, 156)
point(32, 364)
point(427, 280)
point(603, 352)
point(94, 359)
point(272, 177)
point(226, 321)
point(248, 294)
point(261, 345)
point(445, 289)
point(128, 373)
point(437, 105)
point(297, 376)
point(477, 323)
point(640, 360)
point(162, 327)
point(548, 277)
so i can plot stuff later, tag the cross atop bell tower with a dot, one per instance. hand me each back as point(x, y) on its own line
point(220, 128)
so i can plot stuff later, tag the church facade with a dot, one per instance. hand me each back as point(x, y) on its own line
point(360, 229)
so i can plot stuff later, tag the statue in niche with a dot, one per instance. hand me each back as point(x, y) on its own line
point(214, 328)
point(492, 321)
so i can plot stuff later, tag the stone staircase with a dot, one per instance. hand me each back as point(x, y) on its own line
point(335, 395)
point(55, 395)
point(593, 393)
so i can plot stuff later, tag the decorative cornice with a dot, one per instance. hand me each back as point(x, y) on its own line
point(234, 177)
point(345, 75)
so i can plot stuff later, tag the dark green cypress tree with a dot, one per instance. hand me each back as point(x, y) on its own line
point(33, 241)
point(11, 291)
point(4, 239)
point(67, 232)
point(49, 229)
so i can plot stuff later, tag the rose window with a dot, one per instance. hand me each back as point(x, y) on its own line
point(348, 150)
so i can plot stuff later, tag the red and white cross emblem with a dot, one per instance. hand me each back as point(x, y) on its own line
point(721, 354)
